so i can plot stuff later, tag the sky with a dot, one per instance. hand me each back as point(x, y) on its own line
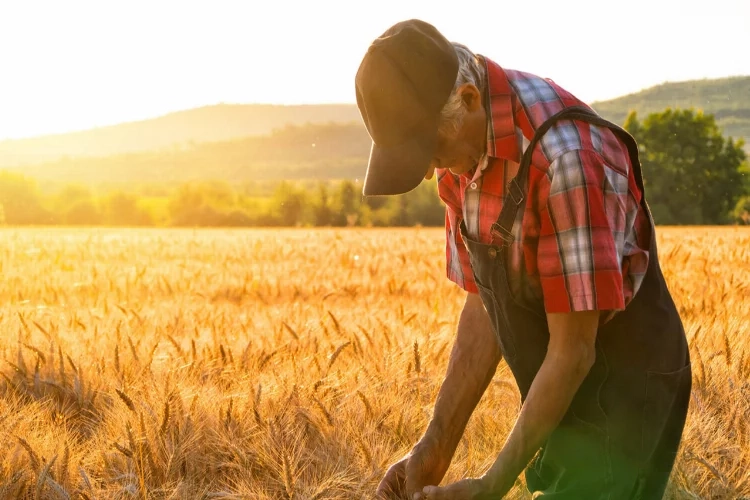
point(77, 64)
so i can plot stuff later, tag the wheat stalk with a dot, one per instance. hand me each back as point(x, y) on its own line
point(33, 458)
point(339, 421)
point(126, 399)
point(417, 358)
point(336, 354)
point(366, 403)
point(42, 478)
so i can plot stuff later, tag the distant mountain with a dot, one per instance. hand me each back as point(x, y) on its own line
point(309, 152)
point(728, 99)
point(237, 142)
point(206, 124)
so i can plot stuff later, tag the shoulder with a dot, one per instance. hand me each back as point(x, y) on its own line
point(540, 98)
point(576, 143)
point(532, 89)
point(584, 168)
point(583, 157)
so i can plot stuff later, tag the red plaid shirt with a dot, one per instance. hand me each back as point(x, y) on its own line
point(583, 240)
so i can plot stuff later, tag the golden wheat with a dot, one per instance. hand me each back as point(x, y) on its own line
point(292, 364)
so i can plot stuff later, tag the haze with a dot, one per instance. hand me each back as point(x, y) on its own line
point(80, 64)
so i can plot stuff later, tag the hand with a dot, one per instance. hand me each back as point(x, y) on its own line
point(466, 489)
point(393, 484)
point(424, 465)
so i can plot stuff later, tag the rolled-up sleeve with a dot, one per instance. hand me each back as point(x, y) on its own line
point(582, 234)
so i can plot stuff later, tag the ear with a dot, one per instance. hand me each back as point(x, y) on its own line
point(471, 96)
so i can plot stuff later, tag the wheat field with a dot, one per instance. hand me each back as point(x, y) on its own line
point(293, 364)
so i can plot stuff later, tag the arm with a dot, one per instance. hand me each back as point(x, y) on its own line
point(590, 199)
point(570, 355)
point(473, 361)
point(472, 364)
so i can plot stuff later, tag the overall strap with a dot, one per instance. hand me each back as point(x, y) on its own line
point(515, 199)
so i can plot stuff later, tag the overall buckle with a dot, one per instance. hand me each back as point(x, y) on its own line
point(499, 231)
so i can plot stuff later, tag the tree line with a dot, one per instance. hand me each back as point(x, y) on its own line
point(216, 204)
point(692, 173)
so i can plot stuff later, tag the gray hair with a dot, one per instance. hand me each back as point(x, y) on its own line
point(470, 70)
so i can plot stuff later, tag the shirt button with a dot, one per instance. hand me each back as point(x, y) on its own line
point(492, 252)
point(473, 185)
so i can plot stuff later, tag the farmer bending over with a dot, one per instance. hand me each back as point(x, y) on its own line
point(549, 233)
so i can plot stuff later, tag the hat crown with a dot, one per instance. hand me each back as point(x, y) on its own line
point(404, 81)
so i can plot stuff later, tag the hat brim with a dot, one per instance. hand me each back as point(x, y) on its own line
point(399, 169)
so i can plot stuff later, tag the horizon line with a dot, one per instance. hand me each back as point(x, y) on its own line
point(300, 104)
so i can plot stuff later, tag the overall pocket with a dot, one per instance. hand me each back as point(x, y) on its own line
point(662, 391)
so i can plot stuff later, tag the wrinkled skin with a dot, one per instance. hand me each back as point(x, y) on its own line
point(423, 466)
point(466, 489)
point(463, 150)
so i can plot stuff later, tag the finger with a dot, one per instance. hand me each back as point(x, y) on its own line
point(386, 491)
point(391, 486)
point(412, 484)
point(433, 492)
point(393, 477)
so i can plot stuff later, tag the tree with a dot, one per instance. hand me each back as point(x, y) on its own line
point(290, 203)
point(741, 212)
point(425, 206)
point(83, 213)
point(71, 195)
point(403, 211)
point(692, 174)
point(322, 209)
point(21, 201)
point(347, 204)
point(122, 209)
point(202, 203)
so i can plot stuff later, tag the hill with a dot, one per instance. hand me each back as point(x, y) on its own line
point(728, 99)
point(263, 142)
point(206, 124)
point(311, 151)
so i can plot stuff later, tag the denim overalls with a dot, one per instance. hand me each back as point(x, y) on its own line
point(620, 436)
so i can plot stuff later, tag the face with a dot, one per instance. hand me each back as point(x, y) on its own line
point(461, 152)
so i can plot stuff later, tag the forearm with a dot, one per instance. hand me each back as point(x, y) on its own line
point(549, 398)
point(472, 364)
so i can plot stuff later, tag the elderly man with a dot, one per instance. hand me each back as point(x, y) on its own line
point(549, 233)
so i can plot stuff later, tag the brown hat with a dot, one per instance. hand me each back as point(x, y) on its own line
point(402, 84)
